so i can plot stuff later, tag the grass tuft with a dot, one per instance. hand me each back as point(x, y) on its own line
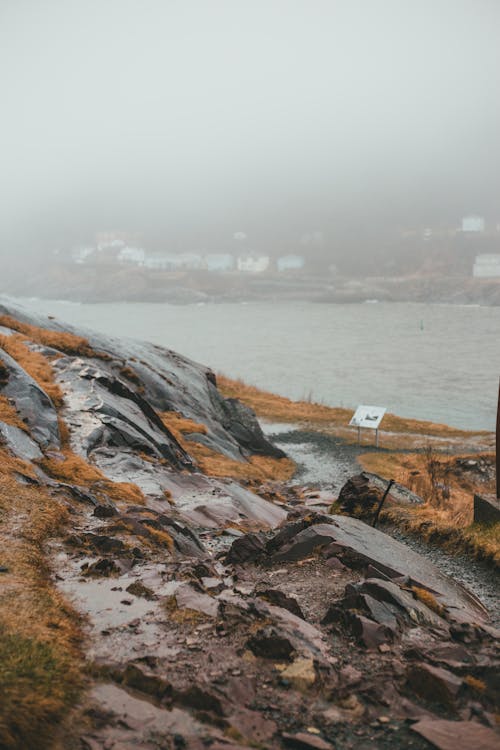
point(74, 469)
point(65, 342)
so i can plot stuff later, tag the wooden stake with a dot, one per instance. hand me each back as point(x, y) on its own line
point(498, 445)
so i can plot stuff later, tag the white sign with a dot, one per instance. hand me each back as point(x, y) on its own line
point(368, 416)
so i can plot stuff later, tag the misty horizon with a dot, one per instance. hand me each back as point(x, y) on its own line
point(189, 121)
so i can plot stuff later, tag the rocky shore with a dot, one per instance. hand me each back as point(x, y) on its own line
point(165, 586)
point(118, 283)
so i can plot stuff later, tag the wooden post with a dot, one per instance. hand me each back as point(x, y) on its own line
point(498, 445)
point(377, 512)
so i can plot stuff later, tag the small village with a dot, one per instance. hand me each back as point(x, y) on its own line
point(129, 249)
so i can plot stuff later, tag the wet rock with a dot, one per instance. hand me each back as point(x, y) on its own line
point(19, 442)
point(32, 403)
point(103, 567)
point(402, 603)
point(105, 510)
point(361, 495)
point(241, 422)
point(140, 521)
point(269, 643)
point(280, 599)
point(200, 698)
point(457, 735)
point(305, 741)
point(186, 597)
point(307, 542)
point(248, 548)
point(103, 543)
point(297, 521)
point(363, 545)
point(434, 684)
point(137, 588)
point(369, 633)
point(146, 681)
point(486, 509)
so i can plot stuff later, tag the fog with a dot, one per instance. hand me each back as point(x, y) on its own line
point(187, 121)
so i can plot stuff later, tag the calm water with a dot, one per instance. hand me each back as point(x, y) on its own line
point(435, 362)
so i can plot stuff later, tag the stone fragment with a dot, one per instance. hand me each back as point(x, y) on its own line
point(103, 567)
point(362, 493)
point(457, 735)
point(200, 698)
point(486, 509)
point(247, 548)
point(187, 598)
point(370, 634)
point(434, 684)
point(280, 599)
point(145, 681)
point(137, 588)
point(269, 643)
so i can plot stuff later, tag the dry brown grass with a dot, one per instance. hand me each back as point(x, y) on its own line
point(213, 464)
point(10, 466)
point(68, 343)
point(35, 365)
point(429, 600)
point(39, 634)
point(446, 517)
point(179, 425)
point(9, 415)
point(75, 470)
point(273, 407)
point(256, 468)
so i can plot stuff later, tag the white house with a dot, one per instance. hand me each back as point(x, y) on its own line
point(473, 223)
point(174, 262)
point(253, 263)
point(290, 263)
point(486, 266)
point(132, 255)
point(219, 262)
point(81, 254)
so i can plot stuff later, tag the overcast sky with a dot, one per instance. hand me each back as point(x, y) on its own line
point(198, 118)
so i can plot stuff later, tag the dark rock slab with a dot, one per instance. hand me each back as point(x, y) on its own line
point(166, 381)
point(457, 735)
point(434, 684)
point(362, 493)
point(20, 444)
point(356, 541)
point(32, 403)
point(248, 548)
point(486, 509)
point(270, 643)
point(280, 599)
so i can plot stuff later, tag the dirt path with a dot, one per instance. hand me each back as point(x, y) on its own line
point(327, 462)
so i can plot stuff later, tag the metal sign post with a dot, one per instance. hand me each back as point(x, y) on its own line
point(498, 445)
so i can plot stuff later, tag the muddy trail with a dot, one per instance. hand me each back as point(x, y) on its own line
point(327, 462)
